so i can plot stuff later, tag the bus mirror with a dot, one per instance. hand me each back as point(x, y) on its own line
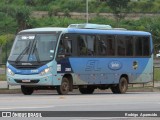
point(51, 51)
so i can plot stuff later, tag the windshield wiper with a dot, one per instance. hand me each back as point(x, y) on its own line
point(34, 50)
point(23, 53)
point(36, 53)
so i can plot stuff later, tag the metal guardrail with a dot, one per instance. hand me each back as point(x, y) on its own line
point(155, 66)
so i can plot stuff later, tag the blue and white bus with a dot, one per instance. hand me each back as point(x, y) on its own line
point(86, 59)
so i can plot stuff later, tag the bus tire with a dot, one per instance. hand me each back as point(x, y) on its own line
point(123, 85)
point(121, 88)
point(27, 90)
point(114, 89)
point(63, 89)
point(88, 90)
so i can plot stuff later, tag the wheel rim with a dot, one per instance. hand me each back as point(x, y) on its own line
point(123, 85)
point(65, 87)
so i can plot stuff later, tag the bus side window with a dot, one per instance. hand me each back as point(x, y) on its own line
point(86, 45)
point(60, 48)
point(129, 46)
point(91, 45)
point(65, 46)
point(138, 46)
point(146, 48)
point(121, 43)
point(82, 45)
point(102, 45)
point(106, 45)
point(111, 45)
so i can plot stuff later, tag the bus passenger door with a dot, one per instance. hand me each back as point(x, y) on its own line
point(63, 54)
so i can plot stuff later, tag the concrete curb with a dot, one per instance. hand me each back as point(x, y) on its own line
point(11, 91)
point(146, 89)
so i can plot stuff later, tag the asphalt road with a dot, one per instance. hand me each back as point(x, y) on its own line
point(105, 101)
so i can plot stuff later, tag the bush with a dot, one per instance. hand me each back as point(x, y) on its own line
point(53, 11)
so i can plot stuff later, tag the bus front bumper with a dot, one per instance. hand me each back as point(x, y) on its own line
point(30, 79)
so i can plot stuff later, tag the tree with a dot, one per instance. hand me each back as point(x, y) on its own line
point(120, 8)
point(29, 2)
point(53, 11)
point(22, 16)
point(4, 40)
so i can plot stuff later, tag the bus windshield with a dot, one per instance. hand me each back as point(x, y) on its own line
point(34, 47)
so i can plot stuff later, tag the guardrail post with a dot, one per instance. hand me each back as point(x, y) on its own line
point(5, 74)
point(153, 75)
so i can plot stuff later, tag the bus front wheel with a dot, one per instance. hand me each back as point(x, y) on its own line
point(63, 89)
point(27, 90)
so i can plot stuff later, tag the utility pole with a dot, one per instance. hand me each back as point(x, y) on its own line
point(86, 11)
point(6, 46)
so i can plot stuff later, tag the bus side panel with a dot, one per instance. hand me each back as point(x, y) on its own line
point(146, 74)
point(109, 70)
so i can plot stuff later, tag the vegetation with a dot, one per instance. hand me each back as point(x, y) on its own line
point(156, 74)
point(16, 15)
point(119, 8)
point(3, 77)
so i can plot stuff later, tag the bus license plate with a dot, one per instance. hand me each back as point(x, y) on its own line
point(26, 81)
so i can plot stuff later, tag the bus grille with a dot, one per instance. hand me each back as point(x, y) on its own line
point(26, 66)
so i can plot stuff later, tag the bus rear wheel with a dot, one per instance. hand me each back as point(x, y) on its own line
point(88, 90)
point(114, 89)
point(27, 90)
point(63, 89)
point(121, 87)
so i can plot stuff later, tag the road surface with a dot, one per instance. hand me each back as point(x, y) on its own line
point(100, 101)
point(106, 101)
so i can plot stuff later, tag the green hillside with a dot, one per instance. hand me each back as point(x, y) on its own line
point(16, 15)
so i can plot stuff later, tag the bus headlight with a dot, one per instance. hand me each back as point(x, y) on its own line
point(45, 71)
point(9, 71)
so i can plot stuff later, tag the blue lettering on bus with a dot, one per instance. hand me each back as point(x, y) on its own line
point(92, 65)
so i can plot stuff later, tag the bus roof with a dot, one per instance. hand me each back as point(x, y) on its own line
point(90, 26)
point(86, 31)
point(112, 32)
point(44, 29)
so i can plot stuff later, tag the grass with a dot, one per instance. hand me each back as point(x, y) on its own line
point(2, 77)
point(157, 74)
point(2, 72)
